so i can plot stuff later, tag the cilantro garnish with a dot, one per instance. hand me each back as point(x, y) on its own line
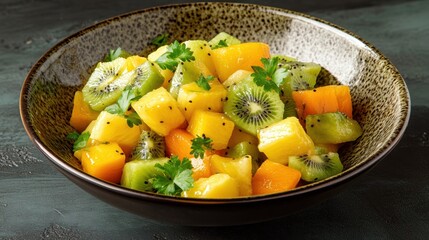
point(122, 105)
point(175, 178)
point(80, 140)
point(160, 40)
point(222, 43)
point(270, 76)
point(203, 82)
point(200, 145)
point(114, 54)
point(176, 52)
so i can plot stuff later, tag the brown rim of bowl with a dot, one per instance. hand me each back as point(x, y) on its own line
point(337, 179)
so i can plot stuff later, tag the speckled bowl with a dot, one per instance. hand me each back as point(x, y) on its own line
point(380, 99)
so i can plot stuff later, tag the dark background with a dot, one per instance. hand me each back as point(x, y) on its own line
point(389, 202)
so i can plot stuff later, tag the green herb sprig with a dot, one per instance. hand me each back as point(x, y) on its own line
point(200, 145)
point(114, 54)
point(79, 140)
point(203, 82)
point(122, 105)
point(175, 177)
point(270, 76)
point(161, 40)
point(176, 52)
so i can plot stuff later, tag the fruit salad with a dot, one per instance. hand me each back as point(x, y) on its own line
point(210, 119)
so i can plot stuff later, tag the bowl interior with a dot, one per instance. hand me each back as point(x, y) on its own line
point(380, 96)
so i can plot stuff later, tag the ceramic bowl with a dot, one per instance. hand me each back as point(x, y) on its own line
point(380, 99)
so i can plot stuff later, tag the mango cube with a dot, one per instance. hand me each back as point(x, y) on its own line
point(104, 161)
point(159, 110)
point(219, 185)
point(283, 139)
point(191, 97)
point(240, 169)
point(215, 126)
point(114, 128)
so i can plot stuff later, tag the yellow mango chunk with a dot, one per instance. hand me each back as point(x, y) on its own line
point(219, 185)
point(228, 60)
point(283, 139)
point(131, 63)
point(192, 97)
point(104, 161)
point(159, 110)
point(82, 113)
point(215, 126)
point(240, 169)
point(114, 128)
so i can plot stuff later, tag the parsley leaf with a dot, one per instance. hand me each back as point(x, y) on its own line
point(176, 177)
point(80, 140)
point(222, 43)
point(122, 105)
point(160, 40)
point(114, 54)
point(200, 145)
point(133, 119)
point(270, 76)
point(176, 52)
point(203, 82)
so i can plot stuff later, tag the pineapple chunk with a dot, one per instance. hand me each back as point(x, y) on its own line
point(159, 110)
point(114, 128)
point(202, 53)
point(104, 161)
point(219, 185)
point(283, 139)
point(192, 97)
point(240, 169)
point(215, 126)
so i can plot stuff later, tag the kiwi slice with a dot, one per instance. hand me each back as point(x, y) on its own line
point(301, 76)
point(243, 149)
point(147, 78)
point(333, 128)
point(223, 39)
point(314, 168)
point(136, 173)
point(105, 85)
point(186, 72)
point(251, 107)
point(150, 146)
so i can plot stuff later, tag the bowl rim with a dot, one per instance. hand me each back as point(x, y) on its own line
point(307, 189)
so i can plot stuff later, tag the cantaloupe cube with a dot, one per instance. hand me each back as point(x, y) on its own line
point(159, 110)
point(114, 128)
point(215, 126)
point(283, 139)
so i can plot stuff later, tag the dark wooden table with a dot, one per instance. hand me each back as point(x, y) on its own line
point(389, 202)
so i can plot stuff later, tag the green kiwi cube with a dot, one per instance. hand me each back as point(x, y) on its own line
point(314, 168)
point(186, 72)
point(251, 107)
point(333, 128)
point(224, 39)
point(105, 85)
point(136, 173)
point(147, 78)
point(150, 146)
point(246, 148)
